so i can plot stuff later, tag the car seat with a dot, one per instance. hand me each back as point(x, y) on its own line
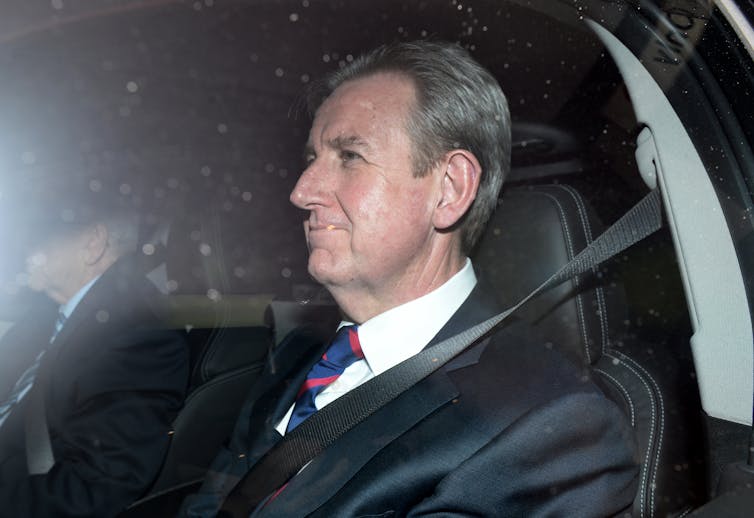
point(535, 231)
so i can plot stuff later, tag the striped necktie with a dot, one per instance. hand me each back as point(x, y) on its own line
point(59, 323)
point(343, 351)
point(26, 381)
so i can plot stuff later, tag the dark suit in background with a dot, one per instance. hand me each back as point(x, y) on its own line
point(113, 379)
point(508, 428)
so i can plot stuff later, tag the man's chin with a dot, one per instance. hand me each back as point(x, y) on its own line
point(325, 270)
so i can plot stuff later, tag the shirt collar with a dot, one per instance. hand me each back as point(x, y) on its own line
point(401, 332)
point(67, 308)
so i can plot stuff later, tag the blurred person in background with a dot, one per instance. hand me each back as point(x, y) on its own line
point(98, 363)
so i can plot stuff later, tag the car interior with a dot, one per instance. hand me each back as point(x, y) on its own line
point(609, 100)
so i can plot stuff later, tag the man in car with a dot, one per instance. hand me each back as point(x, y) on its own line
point(100, 367)
point(406, 155)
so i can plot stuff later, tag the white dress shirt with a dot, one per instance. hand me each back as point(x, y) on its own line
point(396, 335)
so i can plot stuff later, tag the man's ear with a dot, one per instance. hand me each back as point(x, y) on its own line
point(460, 180)
point(96, 244)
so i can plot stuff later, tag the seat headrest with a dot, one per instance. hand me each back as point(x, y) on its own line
point(535, 231)
point(222, 350)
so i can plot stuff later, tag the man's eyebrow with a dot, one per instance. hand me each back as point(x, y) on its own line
point(341, 142)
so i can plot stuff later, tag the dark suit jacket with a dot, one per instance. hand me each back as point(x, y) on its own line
point(113, 379)
point(508, 428)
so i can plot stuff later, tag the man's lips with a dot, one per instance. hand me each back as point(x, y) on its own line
point(319, 226)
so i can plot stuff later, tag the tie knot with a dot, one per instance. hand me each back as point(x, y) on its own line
point(345, 347)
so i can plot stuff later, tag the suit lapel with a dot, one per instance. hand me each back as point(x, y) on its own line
point(298, 353)
point(332, 469)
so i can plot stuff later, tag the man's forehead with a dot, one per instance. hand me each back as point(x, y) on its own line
point(355, 109)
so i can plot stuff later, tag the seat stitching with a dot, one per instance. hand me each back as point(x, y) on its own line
point(662, 419)
point(599, 293)
point(579, 302)
point(623, 389)
point(602, 305)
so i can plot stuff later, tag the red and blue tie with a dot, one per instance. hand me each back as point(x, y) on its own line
point(343, 351)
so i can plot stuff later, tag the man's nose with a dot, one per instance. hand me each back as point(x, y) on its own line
point(308, 190)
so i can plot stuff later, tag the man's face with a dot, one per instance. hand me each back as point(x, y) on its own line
point(369, 226)
point(55, 265)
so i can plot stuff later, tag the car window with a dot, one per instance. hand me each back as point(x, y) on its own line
point(192, 114)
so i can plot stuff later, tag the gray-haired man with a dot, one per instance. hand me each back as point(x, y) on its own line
point(406, 155)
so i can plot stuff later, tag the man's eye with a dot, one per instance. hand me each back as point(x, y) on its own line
point(349, 156)
point(309, 158)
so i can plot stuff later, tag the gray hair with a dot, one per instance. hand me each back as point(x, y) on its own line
point(459, 106)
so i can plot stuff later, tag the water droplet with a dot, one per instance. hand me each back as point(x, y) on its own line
point(205, 249)
point(124, 189)
point(279, 72)
point(205, 170)
point(222, 128)
point(213, 294)
point(171, 285)
point(57, 4)
point(246, 196)
point(148, 249)
point(293, 17)
point(132, 87)
point(95, 186)
point(239, 271)
point(102, 316)
point(286, 273)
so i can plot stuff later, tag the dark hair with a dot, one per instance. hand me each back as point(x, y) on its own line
point(459, 106)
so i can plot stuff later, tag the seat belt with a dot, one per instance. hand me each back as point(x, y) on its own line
point(322, 428)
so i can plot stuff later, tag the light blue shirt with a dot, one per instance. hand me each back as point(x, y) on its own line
point(67, 308)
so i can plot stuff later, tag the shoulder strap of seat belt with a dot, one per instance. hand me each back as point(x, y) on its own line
point(326, 425)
